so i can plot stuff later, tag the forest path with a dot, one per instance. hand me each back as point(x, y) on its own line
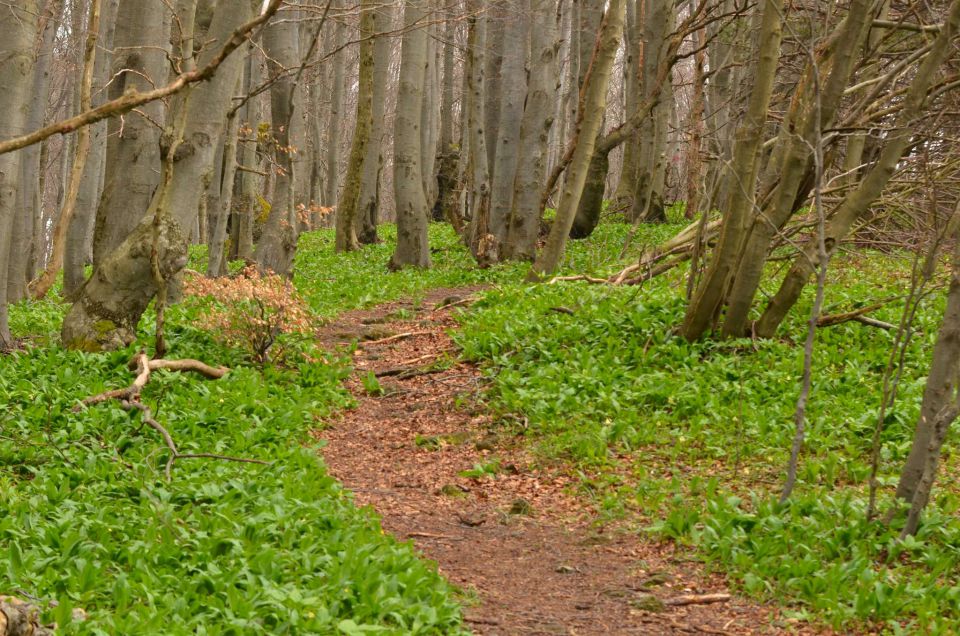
point(516, 538)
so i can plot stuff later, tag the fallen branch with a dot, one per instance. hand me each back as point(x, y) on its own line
point(403, 373)
point(129, 399)
point(697, 599)
point(857, 315)
point(395, 337)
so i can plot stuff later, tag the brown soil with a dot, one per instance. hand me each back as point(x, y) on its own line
point(516, 538)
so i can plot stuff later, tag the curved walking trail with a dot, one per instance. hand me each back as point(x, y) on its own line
point(510, 534)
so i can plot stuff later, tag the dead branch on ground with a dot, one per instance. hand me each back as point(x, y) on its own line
point(129, 399)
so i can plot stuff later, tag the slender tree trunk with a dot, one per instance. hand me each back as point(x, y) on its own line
point(79, 240)
point(18, 35)
point(513, 93)
point(369, 204)
point(346, 238)
point(819, 105)
point(277, 245)
point(245, 209)
point(633, 45)
point(412, 213)
point(216, 258)
point(538, 115)
point(705, 304)
point(941, 403)
point(594, 104)
point(447, 152)
point(332, 181)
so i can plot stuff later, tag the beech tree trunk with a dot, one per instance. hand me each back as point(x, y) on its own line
point(706, 301)
point(111, 302)
point(538, 118)
point(346, 237)
point(857, 202)
point(513, 93)
point(412, 214)
point(369, 203)
point(141, 43)
point(18, 35)
point(594, 104)
point(79, 240)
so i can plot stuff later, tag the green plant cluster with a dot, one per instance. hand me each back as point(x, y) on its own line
point(694, 437)
point(87, 519)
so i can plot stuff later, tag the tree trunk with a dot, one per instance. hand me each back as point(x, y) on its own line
point(941, 402)
point(513, 93)
point(594, 104)
point(274, 253)
point(346, 238)
point(24, 248)
point(111, 302)
point(335, 120)
point(369, 205)
point(18, 35)
point(78, 246)
point(705, 304)
point(412, 242)
point(633, 45)
point(538, 114)
point(141, 43)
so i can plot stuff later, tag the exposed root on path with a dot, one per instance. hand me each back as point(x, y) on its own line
point(503, 527)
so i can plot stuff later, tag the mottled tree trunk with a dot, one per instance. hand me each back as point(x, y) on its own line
point(538, 115)
point(275, 251)
point(412, 213)
point(334, 122)
point(594, 104)
point(18, 35)
point(369, 204)
point(111, 302)
point(513, 93)
point(633, 45)
point(141, 42)
point(346, 237)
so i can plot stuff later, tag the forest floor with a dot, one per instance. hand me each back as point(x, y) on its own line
point(502, 526)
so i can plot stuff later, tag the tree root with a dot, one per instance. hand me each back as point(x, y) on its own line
point(129, 399)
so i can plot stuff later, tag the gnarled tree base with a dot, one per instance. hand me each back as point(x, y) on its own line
point(109, 306)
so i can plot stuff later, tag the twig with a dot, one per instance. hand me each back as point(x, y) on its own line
point(399, 336)
point(697, 599)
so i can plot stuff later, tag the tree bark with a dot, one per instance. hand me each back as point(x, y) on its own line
point(412, 213)
point(18, 34)
point(141, 43)
point(594, 104)
point(332, 181)
point(274, 253)
point(369, 205)
point(79, 240)
point(538, 117)
point(856, 203)
point(111, 302)
point(513, 93)
point(346, 237)
point(705, 304)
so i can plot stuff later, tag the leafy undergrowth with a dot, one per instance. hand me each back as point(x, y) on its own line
point(87, 519)
point(692, 439)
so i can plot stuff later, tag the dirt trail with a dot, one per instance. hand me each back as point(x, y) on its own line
point(515, 538)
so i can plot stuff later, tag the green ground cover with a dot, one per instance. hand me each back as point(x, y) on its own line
point(691, 440)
